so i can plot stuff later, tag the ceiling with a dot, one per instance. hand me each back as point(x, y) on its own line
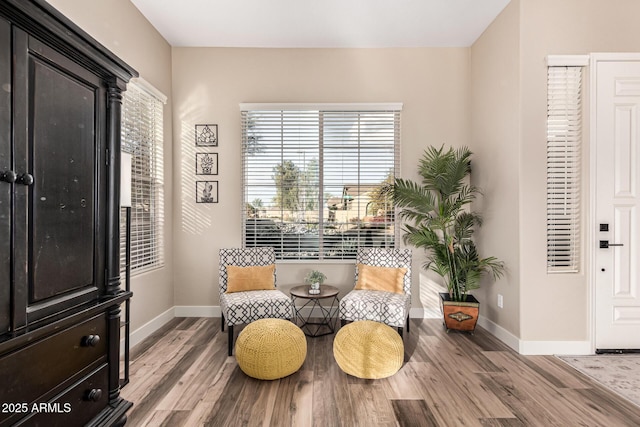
point(321, 23)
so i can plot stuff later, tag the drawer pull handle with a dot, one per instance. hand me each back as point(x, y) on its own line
point(90, 340)
point(94, 394)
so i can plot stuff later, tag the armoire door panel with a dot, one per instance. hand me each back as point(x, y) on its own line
point(63, 152)
point(6, 169)
point(20, 231)
point(59, 141)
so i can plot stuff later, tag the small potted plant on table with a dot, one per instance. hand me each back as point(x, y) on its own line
point(314, 279)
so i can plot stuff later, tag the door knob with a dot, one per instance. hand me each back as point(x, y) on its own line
point(604, 244)
point(25, 178)
point(8, 176)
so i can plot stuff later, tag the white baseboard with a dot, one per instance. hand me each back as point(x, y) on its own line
point(425, 313)
point(214, 311)
point(574, 348)
point(521, 346)
point(535, 348)
point(197, 311)
point(499, 332)
point(414, 313)
point(137, 336)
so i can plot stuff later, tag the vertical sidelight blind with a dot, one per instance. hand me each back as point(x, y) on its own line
point(316, 179)
point(142, 137)
point(564, 137)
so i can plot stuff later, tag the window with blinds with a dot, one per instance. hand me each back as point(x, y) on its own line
point(564, 136)
point(317, 180)
point(142, 137)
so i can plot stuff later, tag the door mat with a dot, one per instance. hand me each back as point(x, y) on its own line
point(620, 373)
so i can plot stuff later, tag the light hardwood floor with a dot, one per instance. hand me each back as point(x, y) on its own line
point(181, 376)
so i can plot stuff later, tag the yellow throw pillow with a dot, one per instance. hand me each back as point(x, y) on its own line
point(387, 279)
point(256, 278)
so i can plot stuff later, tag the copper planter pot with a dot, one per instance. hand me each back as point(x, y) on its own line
point(459, 315)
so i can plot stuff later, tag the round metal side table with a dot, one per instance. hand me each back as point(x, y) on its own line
point(307, 315)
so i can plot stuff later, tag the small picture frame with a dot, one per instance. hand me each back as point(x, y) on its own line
point(206, 163)
point(206, 191)
point(207, 135)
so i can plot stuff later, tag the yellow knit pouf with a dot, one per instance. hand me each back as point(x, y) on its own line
point(268, 349)
point(367, 349)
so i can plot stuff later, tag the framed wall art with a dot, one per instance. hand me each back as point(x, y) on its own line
point(206, 191)
point(207, 135)
point(206, 163)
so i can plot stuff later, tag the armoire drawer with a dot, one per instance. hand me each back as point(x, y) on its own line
point(32, 371)
point(75, 406)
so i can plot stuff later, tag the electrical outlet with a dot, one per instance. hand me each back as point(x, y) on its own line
point(500, 301)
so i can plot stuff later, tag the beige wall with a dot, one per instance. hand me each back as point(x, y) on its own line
point(556, 307)
point(119, 26)
point(552, 307)
point(209, 84)
point(491, 97)
point(495, 132)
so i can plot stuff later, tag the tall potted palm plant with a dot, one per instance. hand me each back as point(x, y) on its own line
point(438, 219)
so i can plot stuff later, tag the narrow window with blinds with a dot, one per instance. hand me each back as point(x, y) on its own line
point(564, 136)
point(142, 137)
point(317, 181)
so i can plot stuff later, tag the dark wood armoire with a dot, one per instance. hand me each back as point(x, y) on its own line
point(60, 294)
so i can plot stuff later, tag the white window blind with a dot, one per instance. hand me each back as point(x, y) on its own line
point(564, 137)
point(142, 137)
point(316, 179)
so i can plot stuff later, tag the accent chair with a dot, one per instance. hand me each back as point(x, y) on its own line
point(243, 299)
point(384, 295)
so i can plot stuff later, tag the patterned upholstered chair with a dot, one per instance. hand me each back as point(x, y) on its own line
point(244, 307)
point(390, 308)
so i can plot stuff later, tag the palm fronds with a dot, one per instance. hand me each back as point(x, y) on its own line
point(439, 221)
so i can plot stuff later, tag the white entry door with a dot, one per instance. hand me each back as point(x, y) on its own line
point(617, 175)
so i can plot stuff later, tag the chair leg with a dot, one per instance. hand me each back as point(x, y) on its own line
point(408, 324)
point(400, 332)
point(342, 322)
point(230, 332)
point(222, 322)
